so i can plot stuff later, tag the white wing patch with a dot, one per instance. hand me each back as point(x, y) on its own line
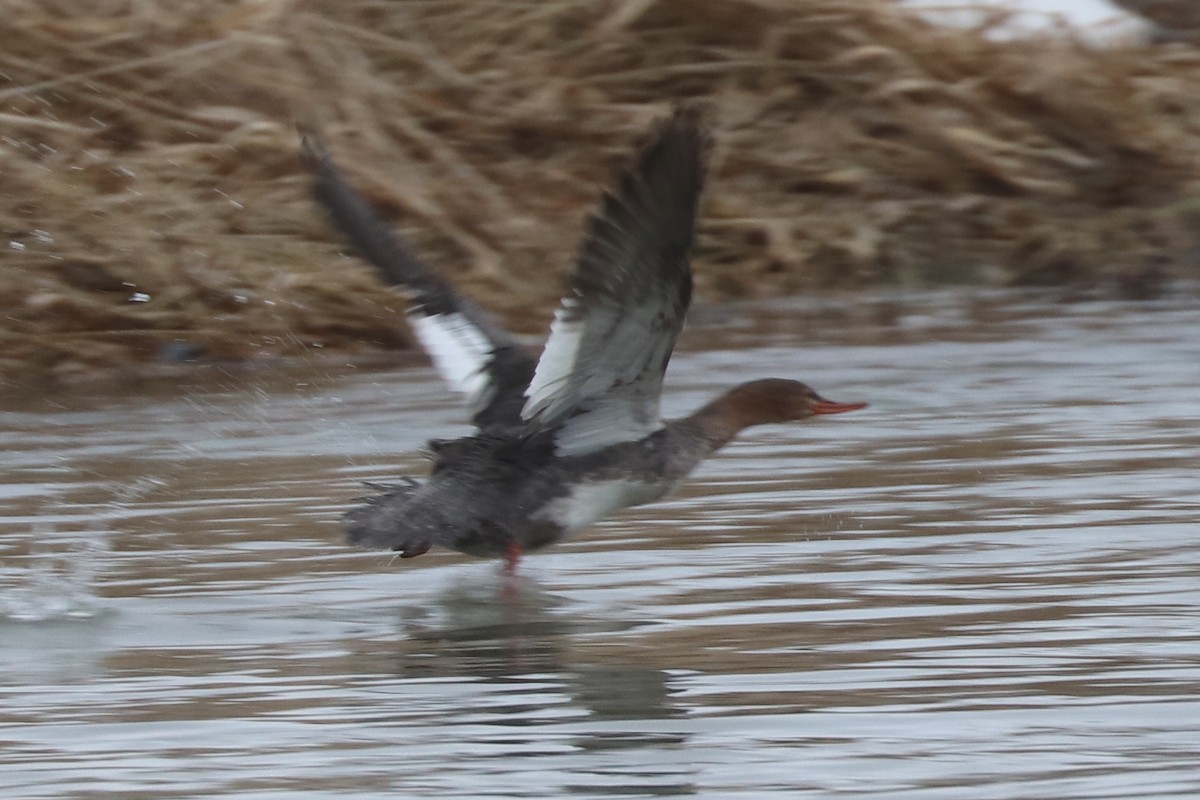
point(460, 352)
point(549, 386)
point(599, 377)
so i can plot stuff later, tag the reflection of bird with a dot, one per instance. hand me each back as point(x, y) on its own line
point(567, 439)
point(1175, 19)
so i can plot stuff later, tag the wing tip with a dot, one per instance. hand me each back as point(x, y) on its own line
point(313, 152)
point(683, 138)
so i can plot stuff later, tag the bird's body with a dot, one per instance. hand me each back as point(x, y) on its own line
point(495, 489)
point(566, 439)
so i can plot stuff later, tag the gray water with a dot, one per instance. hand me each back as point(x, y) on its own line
point(983, 586)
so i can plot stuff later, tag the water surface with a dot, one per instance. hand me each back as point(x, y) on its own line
point(984, 586)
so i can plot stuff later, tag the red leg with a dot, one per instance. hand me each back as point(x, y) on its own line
point(512, 555)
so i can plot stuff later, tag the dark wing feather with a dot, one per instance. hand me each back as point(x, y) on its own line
point(600, 374)
point(471, 351)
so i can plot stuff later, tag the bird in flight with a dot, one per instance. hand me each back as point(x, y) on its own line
point(568, 438)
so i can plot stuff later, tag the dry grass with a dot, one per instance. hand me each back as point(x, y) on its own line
point(152, 194)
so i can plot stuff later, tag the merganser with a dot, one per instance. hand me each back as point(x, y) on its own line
point(564, 440)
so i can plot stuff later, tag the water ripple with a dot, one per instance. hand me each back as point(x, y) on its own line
point(981, 587)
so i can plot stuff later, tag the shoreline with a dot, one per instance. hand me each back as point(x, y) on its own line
point(156, 209)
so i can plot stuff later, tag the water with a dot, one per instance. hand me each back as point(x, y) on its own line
point(984, 586)
point(1097, 21)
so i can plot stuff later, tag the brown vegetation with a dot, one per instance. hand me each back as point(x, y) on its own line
point(151, 193)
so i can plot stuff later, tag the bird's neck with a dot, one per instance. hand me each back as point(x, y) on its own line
point(718, 421)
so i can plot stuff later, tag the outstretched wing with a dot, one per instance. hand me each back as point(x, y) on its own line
point(471, 351)
point(600, 374)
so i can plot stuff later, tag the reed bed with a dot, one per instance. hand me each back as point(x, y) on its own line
point(153, 205)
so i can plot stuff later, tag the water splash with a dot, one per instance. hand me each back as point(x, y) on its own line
point(59, 578)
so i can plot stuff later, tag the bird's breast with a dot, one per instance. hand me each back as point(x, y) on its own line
point(588, 502)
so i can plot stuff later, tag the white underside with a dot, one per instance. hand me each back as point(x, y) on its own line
point(590, 502)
